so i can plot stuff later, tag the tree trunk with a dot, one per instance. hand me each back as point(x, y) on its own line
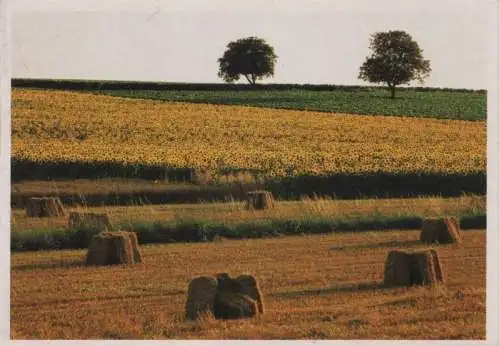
point(392, 88)
point(248, 79)
point(251, 79)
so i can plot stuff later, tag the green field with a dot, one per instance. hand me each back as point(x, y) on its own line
point(460, 104)
point(435, 104)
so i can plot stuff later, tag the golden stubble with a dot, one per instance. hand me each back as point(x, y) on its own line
point(325, 286)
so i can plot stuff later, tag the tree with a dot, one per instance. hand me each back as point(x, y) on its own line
point(396, 59)
point(251, 57)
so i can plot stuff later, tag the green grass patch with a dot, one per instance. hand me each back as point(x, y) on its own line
point(204, 231)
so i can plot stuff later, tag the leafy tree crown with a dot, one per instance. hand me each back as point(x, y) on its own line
point(251, 57)
point(396, 59)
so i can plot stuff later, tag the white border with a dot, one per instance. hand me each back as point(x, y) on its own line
point(493, 205)
point(493, 245)
point(5, 167)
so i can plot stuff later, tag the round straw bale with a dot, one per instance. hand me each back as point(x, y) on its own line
point(201, 296)
point(440, 231)
point(44, 207)
point(397, 269)
point(107, 248)
point(252, 290)
point(260, 200)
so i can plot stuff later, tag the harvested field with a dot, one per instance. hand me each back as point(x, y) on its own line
point(314, 287)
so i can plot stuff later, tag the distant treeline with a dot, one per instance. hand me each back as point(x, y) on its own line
point(96, 85)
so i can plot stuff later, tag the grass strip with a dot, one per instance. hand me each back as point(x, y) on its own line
point(204, 231)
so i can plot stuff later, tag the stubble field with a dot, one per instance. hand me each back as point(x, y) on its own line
point(315, 287)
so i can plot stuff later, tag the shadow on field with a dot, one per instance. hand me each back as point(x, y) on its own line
point(141, 295)
point(54, 265)
point(407, 243)
point(360, 287)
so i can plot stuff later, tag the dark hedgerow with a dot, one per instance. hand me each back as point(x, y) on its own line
point(342, 186)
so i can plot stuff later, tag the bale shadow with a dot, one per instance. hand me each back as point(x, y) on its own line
point(406, 243)
point(54, 265)
point(361, 287)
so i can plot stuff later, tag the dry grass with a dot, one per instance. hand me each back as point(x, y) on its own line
point(234, 212)
point(94, 186)
point(93, 220)
point(317, 287)
point(260, 200)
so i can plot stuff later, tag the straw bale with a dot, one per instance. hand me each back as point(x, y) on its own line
point(120, 250)
point(135, 246)
point(408, 269)
point(436, 262)
point(230, 305)
point(454, 235)
point(108, 248)
point(260, 200)
point(97, 253)
point(441, 231)
point(201, 297)
point(426, 268)
point(44, 207)
point(251, 289)
point(225, 283)
point(224, 297)
point(397, 269)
